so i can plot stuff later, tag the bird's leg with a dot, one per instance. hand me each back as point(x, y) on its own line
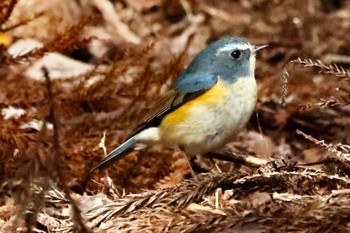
point(215, 164)
point(194, 175)
point(207, 164)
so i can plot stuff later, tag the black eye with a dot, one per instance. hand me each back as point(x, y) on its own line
point(236, 54)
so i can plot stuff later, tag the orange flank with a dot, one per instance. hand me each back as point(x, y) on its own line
point(208, 99)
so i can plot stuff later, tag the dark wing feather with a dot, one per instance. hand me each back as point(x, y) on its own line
point(188, 87)
point(153, 117)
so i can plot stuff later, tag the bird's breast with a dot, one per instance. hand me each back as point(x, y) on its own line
point(212, 119)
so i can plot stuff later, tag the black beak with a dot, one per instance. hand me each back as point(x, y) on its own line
point(257, 48)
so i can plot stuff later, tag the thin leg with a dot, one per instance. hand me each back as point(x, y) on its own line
point(194, 175)
point(216, 165)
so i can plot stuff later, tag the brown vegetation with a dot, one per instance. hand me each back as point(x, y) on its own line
point(77, 76)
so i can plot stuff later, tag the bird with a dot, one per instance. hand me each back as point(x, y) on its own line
point(210, 103)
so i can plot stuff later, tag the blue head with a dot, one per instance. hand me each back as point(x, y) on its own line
point(229, 58)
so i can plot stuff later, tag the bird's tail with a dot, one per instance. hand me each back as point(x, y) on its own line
point(116, 154)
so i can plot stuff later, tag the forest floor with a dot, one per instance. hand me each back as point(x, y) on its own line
point(76, 77)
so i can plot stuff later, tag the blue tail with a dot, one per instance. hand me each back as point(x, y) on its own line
point(117, 154)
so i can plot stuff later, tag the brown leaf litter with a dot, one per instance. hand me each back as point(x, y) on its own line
point(77, 76)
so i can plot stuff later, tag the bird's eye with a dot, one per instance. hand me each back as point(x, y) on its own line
point(236, 54)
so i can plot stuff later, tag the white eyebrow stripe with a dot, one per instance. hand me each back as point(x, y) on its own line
point(233, 46)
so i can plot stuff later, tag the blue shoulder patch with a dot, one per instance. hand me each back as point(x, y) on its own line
point(199, 75)
point(190, 82)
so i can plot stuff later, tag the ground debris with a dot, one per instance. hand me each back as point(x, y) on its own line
point(76, 77)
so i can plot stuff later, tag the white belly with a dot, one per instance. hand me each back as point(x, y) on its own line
point(209, 127)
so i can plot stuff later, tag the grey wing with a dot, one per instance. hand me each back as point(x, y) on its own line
point(191, 82)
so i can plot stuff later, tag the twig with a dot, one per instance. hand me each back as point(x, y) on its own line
point(8, 13)
point(284, 90)
point(332, 69)
point(215, 12)
point(110, 15)
point(322, 143)
point(247, 160)
point(23, 22)
point(77, 218)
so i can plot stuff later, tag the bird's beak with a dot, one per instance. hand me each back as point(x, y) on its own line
point(257, 48)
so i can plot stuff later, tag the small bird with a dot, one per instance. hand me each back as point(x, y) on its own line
point(210, 103)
